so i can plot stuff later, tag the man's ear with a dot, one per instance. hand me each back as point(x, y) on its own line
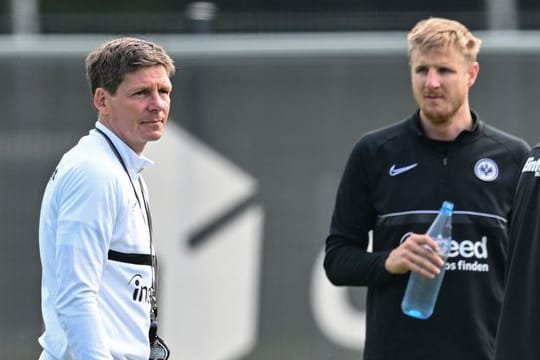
point(100, 100)
point(473, 73)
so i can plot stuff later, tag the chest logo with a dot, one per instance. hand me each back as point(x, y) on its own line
point(486, 169)
point(396, 171)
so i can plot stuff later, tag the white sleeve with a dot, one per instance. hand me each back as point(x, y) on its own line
point(85, 223)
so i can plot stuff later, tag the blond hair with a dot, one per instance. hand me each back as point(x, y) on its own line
point(440, 33)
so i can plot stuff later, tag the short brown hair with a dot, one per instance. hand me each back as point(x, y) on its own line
point(434, 33)
point(107, 65)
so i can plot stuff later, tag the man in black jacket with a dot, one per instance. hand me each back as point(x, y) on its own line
point(519, 325)
point(395, 181)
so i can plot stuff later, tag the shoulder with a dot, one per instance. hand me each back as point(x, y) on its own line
point(89, 166)
point(535, 150)
point(514, 144)
point(533, 157)
point(504, 137)
point(374, 140)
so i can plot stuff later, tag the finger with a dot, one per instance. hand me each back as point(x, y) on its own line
point(432, 243)
point(432, 256)
point(427, 264)
point(424, 246)
point(426, 269)
point(420, 242)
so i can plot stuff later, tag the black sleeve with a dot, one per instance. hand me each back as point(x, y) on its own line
point(347, 261)
point(349, 265)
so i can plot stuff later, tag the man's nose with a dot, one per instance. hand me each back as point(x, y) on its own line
point(157, 102)
point(433, 78)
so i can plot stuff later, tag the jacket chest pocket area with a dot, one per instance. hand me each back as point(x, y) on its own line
point(132, 231)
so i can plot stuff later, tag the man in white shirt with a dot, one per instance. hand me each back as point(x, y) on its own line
point(98, 262)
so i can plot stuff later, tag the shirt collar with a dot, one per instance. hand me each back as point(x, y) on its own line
point(475, 129)
point(134, 163)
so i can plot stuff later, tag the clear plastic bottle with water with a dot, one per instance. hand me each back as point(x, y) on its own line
point(421, 293)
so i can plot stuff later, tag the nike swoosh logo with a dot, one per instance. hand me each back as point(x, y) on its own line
point(396, 171)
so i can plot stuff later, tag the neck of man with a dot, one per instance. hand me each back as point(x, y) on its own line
point(448, 128)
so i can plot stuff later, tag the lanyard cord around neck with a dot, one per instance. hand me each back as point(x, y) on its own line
point(153, 291)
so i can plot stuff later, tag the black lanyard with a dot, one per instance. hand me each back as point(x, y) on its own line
point(153, 289)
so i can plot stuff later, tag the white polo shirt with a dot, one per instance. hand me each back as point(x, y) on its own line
point(94, 307)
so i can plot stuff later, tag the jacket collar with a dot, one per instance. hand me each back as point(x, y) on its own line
point(464, 136)
point(134, 163)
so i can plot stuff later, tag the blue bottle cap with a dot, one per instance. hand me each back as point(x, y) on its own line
point(447, 207)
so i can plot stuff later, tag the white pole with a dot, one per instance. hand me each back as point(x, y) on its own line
point(502, 14)
point(25, 16)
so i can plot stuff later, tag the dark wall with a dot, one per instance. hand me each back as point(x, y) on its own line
point(289, 122)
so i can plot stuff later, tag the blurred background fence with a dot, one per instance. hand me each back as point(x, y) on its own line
point(270, 97)
point(184, 16)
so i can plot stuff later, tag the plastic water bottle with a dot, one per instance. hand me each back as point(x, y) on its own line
point(421, 293)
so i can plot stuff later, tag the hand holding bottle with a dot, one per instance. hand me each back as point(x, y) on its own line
point(418, 253)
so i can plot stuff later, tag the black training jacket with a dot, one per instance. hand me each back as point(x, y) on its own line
point(394, 183)
point(519, 328)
